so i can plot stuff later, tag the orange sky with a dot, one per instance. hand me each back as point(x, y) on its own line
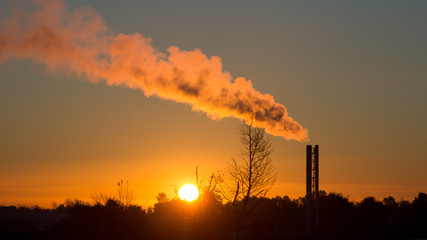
point(353, 75)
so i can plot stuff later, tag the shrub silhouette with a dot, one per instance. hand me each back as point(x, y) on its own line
point(110, 221)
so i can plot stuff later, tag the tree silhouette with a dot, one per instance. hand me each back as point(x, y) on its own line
point(250, 176)
point(125, 196)
point(273, 218)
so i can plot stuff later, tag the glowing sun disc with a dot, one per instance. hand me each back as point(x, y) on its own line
point(188, 192)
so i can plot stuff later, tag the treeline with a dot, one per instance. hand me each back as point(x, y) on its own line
point(209, 218)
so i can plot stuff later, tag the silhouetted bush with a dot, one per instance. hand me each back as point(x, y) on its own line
point(110, 221)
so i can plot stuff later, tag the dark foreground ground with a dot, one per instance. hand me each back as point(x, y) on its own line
point(275, 218)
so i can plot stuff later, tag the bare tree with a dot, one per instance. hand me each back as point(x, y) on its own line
point(124, 195)
point(100, 197)
point(252, 175)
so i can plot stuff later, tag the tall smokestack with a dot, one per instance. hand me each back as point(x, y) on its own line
point(316, 187)
point(312, 188)
point(79, 42)
point(308, 196)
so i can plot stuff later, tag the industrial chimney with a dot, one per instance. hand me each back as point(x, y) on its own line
point(312, 191)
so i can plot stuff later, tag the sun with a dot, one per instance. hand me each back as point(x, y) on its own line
point(188, 192)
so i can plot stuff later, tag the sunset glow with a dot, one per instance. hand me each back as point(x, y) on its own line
point(188, 192)
point(92, 92)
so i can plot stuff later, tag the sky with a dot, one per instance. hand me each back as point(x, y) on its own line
point(351, 75)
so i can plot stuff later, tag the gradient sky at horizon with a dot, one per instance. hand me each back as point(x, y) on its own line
point(353, 73)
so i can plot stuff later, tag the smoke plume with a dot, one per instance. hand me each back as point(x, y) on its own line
point(79, 42)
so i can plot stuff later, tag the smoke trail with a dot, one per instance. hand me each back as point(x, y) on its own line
point(79, 42)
